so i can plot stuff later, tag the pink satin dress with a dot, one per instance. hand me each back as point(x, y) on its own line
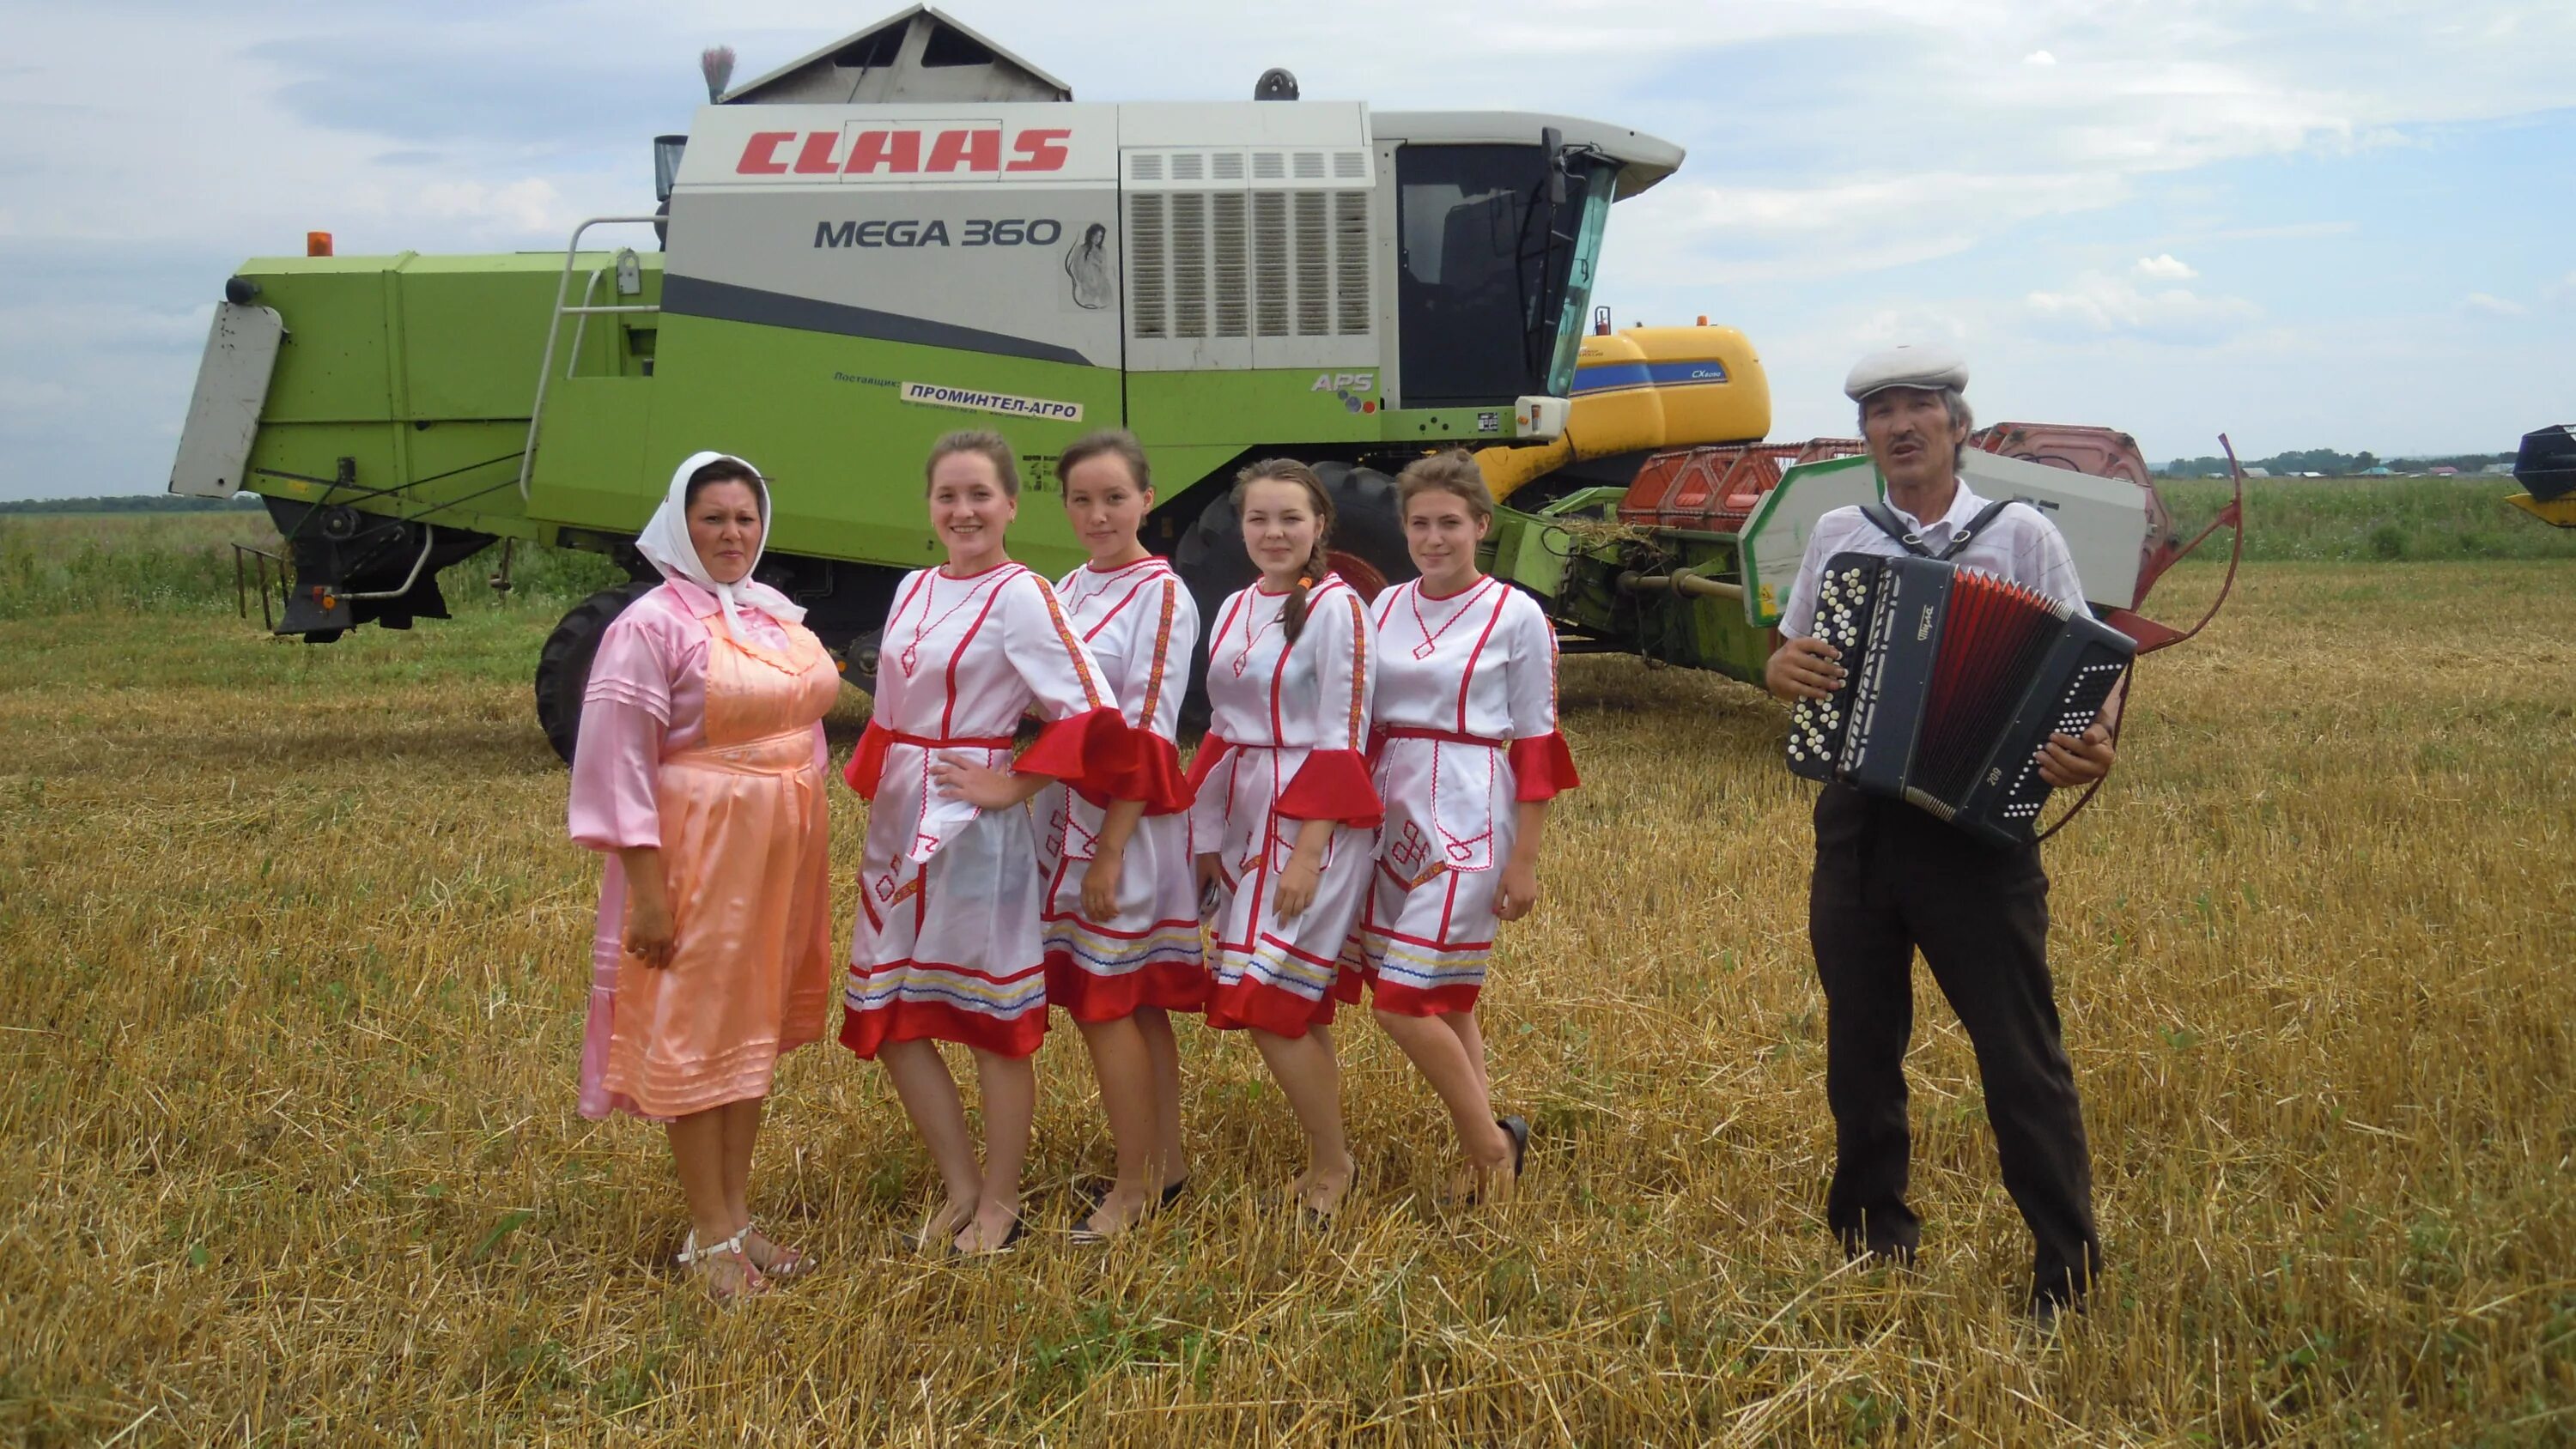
point(709, 747)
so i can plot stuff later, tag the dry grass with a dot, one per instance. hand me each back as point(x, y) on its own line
point(292, 951)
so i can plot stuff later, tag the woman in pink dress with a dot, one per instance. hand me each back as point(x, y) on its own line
point(947, 946)
point(1468, 757)
point(1122, 918)
point(699, 775)
point(1284, 806)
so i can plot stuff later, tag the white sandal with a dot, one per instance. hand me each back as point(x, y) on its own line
point(786, 1264)
point(692, 1256)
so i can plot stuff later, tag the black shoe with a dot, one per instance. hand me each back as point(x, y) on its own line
point(1093, 1197)
point(1518, 1128)
point(921, 1240)
point(1878, 1253)
point(1010, 1241)
point(2048, 1310)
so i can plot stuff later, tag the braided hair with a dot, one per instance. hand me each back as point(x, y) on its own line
point(1292, 619)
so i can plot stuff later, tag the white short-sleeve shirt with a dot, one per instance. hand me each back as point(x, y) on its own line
point(2019, 546)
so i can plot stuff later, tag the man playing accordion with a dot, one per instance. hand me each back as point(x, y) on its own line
point(1890, 878)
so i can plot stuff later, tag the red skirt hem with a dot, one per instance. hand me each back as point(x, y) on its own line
point(1253, 1004)
point(865, 1032)
point(1412, 1001)
point(1084, 996)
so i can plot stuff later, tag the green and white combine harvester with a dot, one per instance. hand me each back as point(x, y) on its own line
point(912, 231)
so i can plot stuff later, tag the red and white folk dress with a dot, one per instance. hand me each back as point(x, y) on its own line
point(1140, 623)
point(1465, 731)
point(1287, 742)
point(947, 943)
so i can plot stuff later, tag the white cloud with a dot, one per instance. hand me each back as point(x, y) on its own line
point(2100, 305)
point(530, 204)
point(1681, 229)
point(2482, 304)
point(2039, 57)
point(2163, 267)
point(2561, 290)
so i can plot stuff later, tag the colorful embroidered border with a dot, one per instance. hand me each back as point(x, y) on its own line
point(1072, 646)
point(1162, 649)
point(1359, 671)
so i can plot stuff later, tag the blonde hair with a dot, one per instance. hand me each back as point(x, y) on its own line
point(991, 446)
point(1452, 472)
point(1292, 619)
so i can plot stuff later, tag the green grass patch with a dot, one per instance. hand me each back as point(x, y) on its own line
point(2370, 520)
point(184, 562)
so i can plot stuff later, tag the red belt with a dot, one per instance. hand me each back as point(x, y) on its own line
point(1446, 737)
point(979, 742)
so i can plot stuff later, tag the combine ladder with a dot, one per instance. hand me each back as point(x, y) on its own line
point(586, 311)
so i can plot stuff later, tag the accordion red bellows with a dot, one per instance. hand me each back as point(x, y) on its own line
point(1952, 681)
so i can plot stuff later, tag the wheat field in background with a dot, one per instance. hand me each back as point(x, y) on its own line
point(292, 963)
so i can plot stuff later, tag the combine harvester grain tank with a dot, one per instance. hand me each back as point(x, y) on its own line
point(912, 230)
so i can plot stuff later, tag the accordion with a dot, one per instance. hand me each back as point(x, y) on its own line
point(1952, 681)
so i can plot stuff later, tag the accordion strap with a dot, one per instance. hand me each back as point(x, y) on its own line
point(1877, 512)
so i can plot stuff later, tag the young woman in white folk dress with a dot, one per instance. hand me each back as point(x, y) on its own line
point(947, 945)
point(1467, 759)
point(1121, 915)
point(1284, 806)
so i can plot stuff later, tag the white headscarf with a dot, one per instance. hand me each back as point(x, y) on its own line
point(665, 541)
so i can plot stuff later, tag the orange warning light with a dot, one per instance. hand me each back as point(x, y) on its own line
point(317, 243)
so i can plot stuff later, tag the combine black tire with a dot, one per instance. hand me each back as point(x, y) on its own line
point(1367, 544)
point(1367, 540)
point(563, 666)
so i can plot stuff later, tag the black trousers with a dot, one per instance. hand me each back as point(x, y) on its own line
point(1891, 878)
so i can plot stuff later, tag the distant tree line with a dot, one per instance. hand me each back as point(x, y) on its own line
point(2331, 463)
point(133, 503)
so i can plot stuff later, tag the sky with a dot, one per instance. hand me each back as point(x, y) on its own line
point(2304, 224)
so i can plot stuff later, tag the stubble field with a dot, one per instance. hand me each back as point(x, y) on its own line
point(293, 955)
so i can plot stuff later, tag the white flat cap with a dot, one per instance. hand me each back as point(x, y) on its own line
point(1927, 367)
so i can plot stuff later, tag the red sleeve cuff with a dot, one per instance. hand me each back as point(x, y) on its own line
point(1333, 785)
point(1543, 766)
point(1087, 749)
point(1154, 778)
point(867, 762)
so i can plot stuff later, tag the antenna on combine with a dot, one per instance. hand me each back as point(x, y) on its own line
point(716, 64)
point(1276, 84)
